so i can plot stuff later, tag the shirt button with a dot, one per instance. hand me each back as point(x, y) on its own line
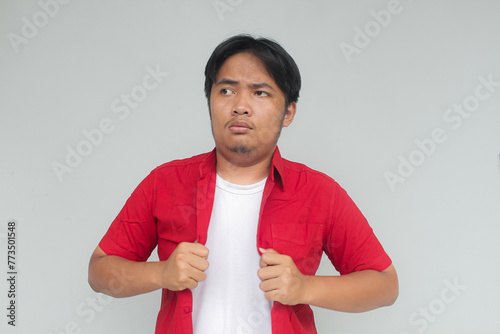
point(187, 309)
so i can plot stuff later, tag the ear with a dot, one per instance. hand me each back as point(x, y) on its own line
point(290, 114)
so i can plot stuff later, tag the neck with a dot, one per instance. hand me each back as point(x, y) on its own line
point(238, 170)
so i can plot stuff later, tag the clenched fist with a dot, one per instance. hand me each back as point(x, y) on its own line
point(185, 267)
point(281, 279)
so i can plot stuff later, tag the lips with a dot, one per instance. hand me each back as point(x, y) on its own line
point(239, 127)
point(239, 124)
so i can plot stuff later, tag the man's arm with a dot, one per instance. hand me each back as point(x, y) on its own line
point(355, 292)
point(119, 277)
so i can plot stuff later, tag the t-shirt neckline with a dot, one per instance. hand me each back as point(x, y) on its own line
point(240, 189)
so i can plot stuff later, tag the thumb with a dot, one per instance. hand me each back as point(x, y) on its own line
point(269, 250)
point(265, 260)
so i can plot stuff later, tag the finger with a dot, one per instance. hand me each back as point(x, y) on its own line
point(262, 263)
point(199, 250)
point(193, 284)
point(193, 248)
point(197, 262)
point(273, 295)
point(269, 272)
point(269, 285)
point(273, 258)
point(269, 250)
point(197, 275)
point(188, 279)
point(190, 284)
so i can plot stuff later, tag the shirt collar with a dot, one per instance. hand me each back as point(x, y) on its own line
point(276, 172)
point(209, 163)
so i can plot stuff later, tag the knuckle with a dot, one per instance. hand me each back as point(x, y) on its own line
point(180, 257)
point(259, 273)
point(184, 278)
point(205, 250)
point(181, 266)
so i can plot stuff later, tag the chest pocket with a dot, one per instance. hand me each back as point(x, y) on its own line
point(302, 242)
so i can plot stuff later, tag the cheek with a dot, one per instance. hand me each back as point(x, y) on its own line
point(217, 123)
point(217, 118)
point(214, 112)
point(275, 118)
point(269, 129)
point(218, 108)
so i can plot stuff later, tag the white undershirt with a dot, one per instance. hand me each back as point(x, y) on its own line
point(229, 301)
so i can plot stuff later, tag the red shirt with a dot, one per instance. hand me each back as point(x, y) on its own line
point(303, 213)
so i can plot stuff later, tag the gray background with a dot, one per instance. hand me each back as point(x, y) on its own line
point(357, 117)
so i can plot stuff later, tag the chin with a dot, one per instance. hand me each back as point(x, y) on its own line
point(240, 149)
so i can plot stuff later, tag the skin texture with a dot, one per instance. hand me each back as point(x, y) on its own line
point(247, 112)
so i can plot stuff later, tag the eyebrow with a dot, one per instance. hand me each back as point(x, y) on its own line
point(257, 85)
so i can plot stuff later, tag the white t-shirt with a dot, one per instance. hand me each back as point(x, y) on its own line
point(230, 301)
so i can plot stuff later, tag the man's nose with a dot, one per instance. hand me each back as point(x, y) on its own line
point(241, 105)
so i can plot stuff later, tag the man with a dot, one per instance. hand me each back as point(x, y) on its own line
point(240, 231)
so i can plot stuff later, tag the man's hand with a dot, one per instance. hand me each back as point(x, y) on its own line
point(185, 267)
point(281, 280)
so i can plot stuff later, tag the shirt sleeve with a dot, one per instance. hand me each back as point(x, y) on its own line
point(351, 243)
point(133, 234)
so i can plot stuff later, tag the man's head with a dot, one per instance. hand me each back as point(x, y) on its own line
point(279, 64)
point(252, 87)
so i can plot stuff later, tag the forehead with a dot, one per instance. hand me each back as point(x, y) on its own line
point(244, 66)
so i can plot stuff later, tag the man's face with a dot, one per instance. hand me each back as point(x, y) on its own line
point(247, 108)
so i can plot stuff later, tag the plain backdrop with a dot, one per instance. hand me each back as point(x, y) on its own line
point(375, 89)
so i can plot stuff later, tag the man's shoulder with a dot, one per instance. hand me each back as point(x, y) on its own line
point(185, 165)
point(196, 159)
point(300, 171)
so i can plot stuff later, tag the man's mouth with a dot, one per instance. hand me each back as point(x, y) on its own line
point(240, 127)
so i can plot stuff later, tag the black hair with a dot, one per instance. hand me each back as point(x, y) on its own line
point(279, 64)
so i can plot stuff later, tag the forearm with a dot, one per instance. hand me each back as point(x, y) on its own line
point(119, 277)
point(355, 292)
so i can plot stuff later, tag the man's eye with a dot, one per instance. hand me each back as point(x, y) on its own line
point(225, 91)
point(262, 93)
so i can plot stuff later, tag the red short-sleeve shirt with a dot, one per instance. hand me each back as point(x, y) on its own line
point(303, 214)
